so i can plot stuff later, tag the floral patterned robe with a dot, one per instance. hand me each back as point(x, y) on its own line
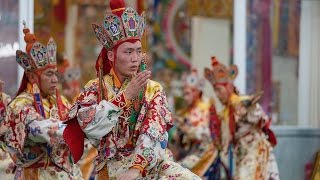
point(35, 143)
point(254, 158)
point(193, 128)
point(7, 167)
point(106, 125)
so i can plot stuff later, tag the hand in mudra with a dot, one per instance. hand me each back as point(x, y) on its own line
point(136, 84)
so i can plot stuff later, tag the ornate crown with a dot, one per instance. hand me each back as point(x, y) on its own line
point(220, 73)
point(120, 25)
point(193, 80)
point(37, 56)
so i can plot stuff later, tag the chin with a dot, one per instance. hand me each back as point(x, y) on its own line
point(52, 93)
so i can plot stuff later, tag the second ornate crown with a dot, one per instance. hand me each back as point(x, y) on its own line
point(37, 55)
point(122, 24)
point(220, 74)
point(193, 80)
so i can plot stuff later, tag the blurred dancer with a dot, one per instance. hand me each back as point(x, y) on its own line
point(192, 136)
point(69, 77)
point(245, 132)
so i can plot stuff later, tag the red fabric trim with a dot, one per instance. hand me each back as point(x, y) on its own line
point(214, 124)
point(74, 137)
point(120, 101)
point(232, 124)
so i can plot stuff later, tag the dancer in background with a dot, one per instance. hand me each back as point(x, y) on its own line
point(192, 138)
point(69, 77)
point(245, 132)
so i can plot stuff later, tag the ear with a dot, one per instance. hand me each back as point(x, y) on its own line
point(208, 74)
point(233, 72)
point(111, 56)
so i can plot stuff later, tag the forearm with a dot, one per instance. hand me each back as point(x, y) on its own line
point(46, 131)
point(98, 120)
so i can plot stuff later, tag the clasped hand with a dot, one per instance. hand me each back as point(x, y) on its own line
point(136, 84)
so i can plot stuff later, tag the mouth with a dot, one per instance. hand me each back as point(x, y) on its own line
point(134, 68)
point(53, 88)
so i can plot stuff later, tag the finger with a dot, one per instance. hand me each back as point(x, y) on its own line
point(142, 74)
point(143, 78)
point(143, 81)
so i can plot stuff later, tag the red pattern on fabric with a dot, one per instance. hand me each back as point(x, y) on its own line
point(119, 100)
point(140, 161)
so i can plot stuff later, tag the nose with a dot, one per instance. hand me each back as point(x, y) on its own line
point(135, 57)
point(54, 79)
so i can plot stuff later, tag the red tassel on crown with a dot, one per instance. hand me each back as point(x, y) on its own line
point(117, 7)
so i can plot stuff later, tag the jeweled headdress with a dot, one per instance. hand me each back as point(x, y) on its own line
point(122, 24)
point(220, 74)
point(193, 80)
point(68, 73)
point(37, 55)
